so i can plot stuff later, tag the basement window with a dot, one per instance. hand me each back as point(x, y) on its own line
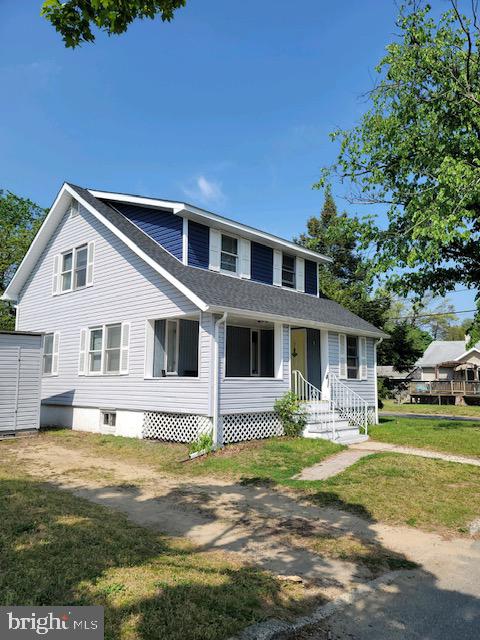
point(109, 419)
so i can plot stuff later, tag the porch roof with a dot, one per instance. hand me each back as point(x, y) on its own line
point(219, 292)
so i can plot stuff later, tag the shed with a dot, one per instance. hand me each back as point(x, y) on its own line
point(21, 355)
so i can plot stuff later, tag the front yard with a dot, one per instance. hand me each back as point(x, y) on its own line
point(57, 548)
point(448, 436)
point(468, 411)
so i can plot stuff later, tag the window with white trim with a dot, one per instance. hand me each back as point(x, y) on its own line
point(288, 271)
point(107, 349)
point(73, 269)
point(229, 254)
point(47, 353)
point(174, 344)
point(249, 352)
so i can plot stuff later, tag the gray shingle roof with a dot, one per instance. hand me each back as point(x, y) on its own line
point(222, 291)
point(441, 351)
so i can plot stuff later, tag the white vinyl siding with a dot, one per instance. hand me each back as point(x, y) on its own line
point(126, 289)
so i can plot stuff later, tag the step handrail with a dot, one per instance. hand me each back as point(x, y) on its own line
point(348, 402)
point(307, 392)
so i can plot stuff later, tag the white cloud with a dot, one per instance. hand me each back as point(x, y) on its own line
point(206, 191)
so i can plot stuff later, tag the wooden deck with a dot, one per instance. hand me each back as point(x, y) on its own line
point(444, 388)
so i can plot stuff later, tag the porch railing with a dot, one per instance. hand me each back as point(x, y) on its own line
point(342, 401)
point(320, 411)
point(348, 403)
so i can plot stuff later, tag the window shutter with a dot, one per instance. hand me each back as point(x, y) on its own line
point(125, 343)
point(56, 275)
point(363, 358)
point(244, 255)
point(342, 355)
point(90, 258)
point(215, 247)
point(300, 274)
point(56, 343)
point(82, 358)
point(277, 268)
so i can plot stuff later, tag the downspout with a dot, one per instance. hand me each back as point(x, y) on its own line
point(216, 381)
point(380, 340)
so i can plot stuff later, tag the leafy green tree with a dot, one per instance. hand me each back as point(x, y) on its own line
point(20, 219)
point(75, 19)
point(458, 331)
point(417, 149)
point(350, 280)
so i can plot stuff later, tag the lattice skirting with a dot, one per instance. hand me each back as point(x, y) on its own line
point(250, 426)
point(174, 427)
point(371, 415)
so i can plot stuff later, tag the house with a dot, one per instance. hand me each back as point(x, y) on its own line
point(448, 372)
point(163, 320)
point(395, 381)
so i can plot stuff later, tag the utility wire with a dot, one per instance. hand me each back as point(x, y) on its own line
point(430, 315)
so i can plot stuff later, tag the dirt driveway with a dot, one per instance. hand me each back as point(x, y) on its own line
point(271, 527)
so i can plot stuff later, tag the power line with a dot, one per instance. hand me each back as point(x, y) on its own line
point(430, 315)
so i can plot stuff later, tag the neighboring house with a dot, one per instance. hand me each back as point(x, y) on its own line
point(163, 320)
point(448, 371)
point(396, 381)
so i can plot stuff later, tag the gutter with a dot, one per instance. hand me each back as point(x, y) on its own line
point(216, 381)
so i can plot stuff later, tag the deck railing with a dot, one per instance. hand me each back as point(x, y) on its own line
point(444, 387)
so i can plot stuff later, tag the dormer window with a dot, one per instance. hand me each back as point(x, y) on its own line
point(229, 254)
point(288, 271)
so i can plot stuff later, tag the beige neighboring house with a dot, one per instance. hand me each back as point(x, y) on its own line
point(448, 372)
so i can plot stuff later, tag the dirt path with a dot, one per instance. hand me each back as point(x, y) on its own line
point(271, 527)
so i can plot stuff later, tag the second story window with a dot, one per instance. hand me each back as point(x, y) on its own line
point(74, 269)
point(229, 254)
point(288, 271)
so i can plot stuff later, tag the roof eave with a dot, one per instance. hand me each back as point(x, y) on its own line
point(256, 315)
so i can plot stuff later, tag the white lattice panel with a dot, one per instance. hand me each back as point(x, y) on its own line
point(249, 426)
point(371, 416)
point(176, 427)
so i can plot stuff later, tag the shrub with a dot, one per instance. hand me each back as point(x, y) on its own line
point(291, 414)
point(204, 442)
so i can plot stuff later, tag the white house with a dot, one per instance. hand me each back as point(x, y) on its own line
point(162, 320)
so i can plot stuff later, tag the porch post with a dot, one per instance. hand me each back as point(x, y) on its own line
point(324, 365)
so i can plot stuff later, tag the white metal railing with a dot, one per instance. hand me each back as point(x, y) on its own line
point(320, 411)
point(348, 403)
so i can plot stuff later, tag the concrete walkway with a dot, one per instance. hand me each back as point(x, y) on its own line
point(338, 463)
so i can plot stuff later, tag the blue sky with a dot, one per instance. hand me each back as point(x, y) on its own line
point(228, 107)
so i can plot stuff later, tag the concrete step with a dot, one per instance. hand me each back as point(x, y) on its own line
point(329, 425)
point(361, 437)
point(346, 436)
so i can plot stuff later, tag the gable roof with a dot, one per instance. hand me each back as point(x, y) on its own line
point(209, 290)
point(440, 351)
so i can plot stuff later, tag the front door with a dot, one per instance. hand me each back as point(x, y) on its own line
point(298, 351)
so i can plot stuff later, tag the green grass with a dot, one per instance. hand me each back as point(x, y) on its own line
point(57, 548)
point(433, 409)
point(275, 459)
point(462, 438)
point(406, 490)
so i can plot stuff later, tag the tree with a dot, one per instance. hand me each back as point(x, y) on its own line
point(74, 19)
point(417, 150)
point(350, 280)
point(458, 331)
point(20, 219)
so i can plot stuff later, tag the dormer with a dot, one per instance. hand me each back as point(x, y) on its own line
point(205, 240)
